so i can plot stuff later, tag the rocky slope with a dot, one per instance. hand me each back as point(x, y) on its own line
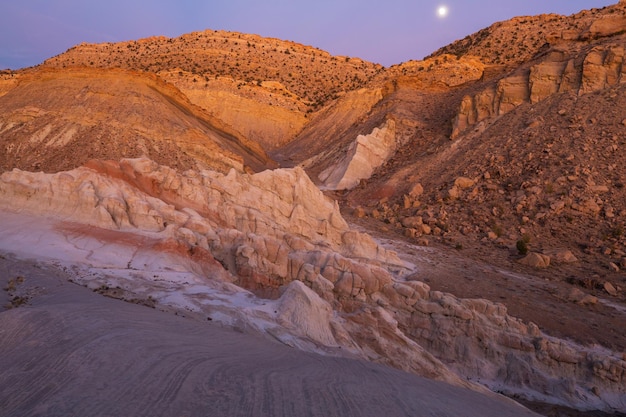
point(415, 97)
point(518, 40)
point(500, 152)
point(533, 162)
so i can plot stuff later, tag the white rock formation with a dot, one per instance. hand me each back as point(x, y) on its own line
point(364, 155)
point(183, 240)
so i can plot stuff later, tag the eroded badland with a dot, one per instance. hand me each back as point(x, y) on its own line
point(461, 218)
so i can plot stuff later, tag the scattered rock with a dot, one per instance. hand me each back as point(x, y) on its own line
point(600, 189)
point(588, 300)
point(464, 183)
point(454, 193)
point(562, 256)
point(610, 289)
point(577, 296)
point(414, 222)
point(359, 212)
point(417, 190)
point(536, 260)
point(423, 242)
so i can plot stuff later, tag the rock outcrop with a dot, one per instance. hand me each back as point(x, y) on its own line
point(591, 70)
point(266, 112)
point(276, 234)
point(330, 126)
point(605, 26)
point(364, 155)
point(265, 227)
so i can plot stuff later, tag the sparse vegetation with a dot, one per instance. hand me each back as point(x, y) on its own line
point(235, 55)
point(522, 245)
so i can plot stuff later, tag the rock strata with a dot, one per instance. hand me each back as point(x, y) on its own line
point(364, 155)
point(276, 234)
point(587, 71)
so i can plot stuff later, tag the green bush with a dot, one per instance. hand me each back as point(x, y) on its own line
point(522, 245)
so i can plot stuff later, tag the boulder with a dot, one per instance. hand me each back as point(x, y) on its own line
point(301, 310)
point(562, 256)
point(454, 193)
point(464, 183)
point(413, 222)
point(418, 190)
point(536, 260)
point(610, 289)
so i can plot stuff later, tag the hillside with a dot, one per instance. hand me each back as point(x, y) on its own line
point(263, 87)
point(518, 40)
point(55, 120)
point(460, 218)
point(534, 156)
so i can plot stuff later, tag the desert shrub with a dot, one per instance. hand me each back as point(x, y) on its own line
point(522, 245)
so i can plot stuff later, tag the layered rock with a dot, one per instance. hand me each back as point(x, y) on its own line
point(605, 26)
point(478, 339)
point(329, 126)
point(592, 70)
point(56, 120)
point(276, 234)
point(265, 112)
point(364, 155)
point(264, 226)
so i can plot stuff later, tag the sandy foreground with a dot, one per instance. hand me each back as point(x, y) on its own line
point(69, 351)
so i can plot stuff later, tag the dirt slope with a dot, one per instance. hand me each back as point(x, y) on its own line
point(55, 120)
point(263, 87)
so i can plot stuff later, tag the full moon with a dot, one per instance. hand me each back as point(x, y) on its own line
point(442, 11)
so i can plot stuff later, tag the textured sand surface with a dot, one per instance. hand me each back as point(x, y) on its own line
point(69, 351)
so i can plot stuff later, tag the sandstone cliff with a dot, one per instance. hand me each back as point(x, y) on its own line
point(592, 69)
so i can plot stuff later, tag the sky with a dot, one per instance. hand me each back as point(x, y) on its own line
point(387, 33)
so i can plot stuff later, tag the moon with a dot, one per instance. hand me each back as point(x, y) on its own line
point(442, 11)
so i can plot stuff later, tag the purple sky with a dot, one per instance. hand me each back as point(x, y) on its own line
point(388, 32)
